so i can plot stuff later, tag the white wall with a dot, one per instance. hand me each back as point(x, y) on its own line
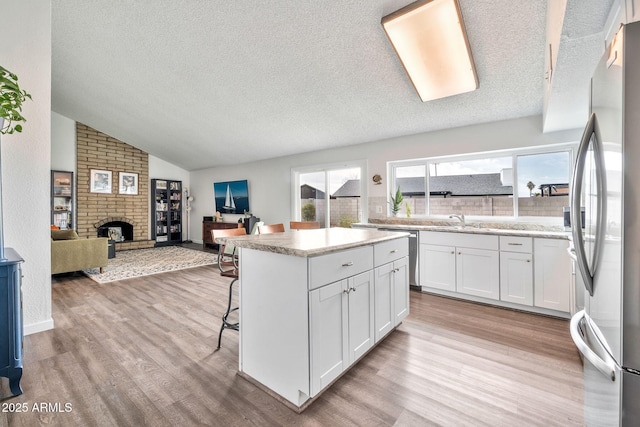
point(270, 180)
point(63, 143)
point(26, 157)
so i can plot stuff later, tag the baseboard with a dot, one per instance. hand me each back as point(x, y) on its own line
point(34, 328)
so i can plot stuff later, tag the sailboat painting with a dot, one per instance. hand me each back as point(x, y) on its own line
point(231, 197)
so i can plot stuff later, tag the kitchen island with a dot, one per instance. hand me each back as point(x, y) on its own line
point(313, 302)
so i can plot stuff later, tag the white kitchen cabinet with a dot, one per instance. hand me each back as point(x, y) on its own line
point(305, 316)
point(516, 270)
point(341, 327)
point(478, 272)
point(461, 263)
point(516, 278)
point(552, 274)
point(401, 290)
point(438, 267)
point(391, 284)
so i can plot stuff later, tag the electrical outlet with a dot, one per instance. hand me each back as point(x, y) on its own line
point(378, 209)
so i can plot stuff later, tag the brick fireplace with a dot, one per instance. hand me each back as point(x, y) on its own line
point(96, 150)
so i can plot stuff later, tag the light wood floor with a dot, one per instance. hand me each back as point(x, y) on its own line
point(141, 352)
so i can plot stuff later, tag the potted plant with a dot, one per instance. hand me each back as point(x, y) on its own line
point(11, 99)
point(396, 201)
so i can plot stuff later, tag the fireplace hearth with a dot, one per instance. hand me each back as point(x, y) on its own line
point(119, 231)
point(125, 231)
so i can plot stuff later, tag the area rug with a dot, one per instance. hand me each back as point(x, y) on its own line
point(144, 262)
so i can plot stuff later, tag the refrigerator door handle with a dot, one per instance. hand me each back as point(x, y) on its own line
point(592, 129)
point(572, 253)
point(608, 366)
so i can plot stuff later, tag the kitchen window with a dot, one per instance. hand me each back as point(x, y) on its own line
point(333, 195)
point(530, 182)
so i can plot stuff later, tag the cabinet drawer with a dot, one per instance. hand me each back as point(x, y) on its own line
point(336, 266)
point(516, 244)
point(463, 240)
point(390, 251)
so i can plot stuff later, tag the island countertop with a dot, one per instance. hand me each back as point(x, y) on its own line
point(310, 243)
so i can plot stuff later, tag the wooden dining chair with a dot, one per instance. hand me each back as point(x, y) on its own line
point(303, 225)
point(271, 228)
point(228, 266)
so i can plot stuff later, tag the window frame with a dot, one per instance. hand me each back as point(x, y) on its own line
point(514, 153)
point(326, 168)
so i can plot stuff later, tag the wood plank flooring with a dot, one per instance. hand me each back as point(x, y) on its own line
point(141, 352)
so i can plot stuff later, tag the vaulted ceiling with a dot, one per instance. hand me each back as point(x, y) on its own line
point(202, 83)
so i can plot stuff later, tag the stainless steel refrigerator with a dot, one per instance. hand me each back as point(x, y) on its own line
point(606, 182)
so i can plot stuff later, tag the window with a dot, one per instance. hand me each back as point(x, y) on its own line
point(332, 195)
point(515, 183)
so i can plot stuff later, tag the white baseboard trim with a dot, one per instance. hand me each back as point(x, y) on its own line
point(34, 328)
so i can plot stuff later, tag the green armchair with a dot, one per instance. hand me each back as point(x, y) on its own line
point(71, 253)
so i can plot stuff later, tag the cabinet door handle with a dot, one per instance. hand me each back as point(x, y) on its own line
point(514, 244)
point(393, 251)
point(346, 291)
point(459, 253)
point(453, 252)
point(348, 264)
point(353, 289)
point(528, 260)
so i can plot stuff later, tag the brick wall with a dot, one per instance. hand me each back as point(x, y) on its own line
point(96, 150)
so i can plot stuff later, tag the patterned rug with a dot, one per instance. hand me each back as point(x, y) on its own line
point(144, 262)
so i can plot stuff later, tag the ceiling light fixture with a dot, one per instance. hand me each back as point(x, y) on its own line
point(430, 39)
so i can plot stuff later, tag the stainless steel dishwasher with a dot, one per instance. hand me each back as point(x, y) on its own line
point(414, 278)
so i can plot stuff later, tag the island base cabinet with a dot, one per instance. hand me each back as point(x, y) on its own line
point(274, 322)
point(341, 323)
point(391, 296)
point(304, 321)
point(401, 290)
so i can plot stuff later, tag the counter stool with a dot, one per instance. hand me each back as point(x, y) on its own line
point(303, 225)
point(271, 228)
point(228, 266)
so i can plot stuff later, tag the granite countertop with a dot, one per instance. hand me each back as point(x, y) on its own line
point(499, 229)
point(310, 243)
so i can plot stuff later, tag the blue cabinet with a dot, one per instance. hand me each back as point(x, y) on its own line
point(11, 332)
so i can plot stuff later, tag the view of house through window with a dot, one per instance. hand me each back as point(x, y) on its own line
point(473, 187)
point(519, 183)
point(331, 196)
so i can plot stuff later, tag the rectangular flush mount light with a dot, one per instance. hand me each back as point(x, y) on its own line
point(430, 39)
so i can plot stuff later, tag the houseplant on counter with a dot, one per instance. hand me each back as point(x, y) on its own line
point(11, 99)
point(396, 201)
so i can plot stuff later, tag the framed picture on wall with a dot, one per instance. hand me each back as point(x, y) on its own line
point(128, 183)
point(100, 181)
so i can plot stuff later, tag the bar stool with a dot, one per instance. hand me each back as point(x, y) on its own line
point(303, 225)
point(228, 266)
point(271, 228)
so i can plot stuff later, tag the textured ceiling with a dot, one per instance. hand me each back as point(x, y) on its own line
point(201, 83)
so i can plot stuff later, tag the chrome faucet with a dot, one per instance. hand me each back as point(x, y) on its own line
point(461, 218)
